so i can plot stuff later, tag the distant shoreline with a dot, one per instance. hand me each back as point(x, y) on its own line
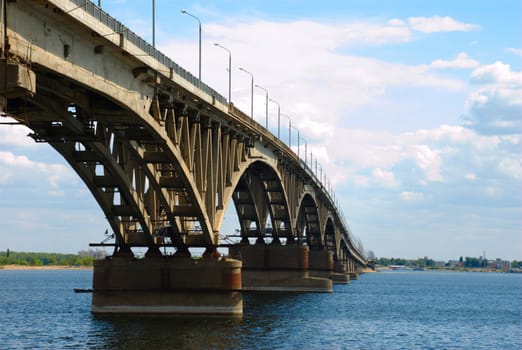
point(46, 267)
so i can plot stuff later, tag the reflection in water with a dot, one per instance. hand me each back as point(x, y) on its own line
point(261, 321)
point(164, 332)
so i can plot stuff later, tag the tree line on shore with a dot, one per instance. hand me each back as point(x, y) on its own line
point(83, 258)
point(464, 262)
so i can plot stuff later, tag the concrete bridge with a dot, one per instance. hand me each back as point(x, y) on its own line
point(164, 155)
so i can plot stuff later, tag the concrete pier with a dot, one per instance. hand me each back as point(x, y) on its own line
point(277, 268)
point(354, 275)
point(167, 285)
point(321, 264)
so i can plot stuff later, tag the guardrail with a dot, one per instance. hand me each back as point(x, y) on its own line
point(129, 35)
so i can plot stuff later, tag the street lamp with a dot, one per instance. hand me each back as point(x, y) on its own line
point(153, 21)
point(289, 129)
point(298, 137)
point(251, 91)
point(278, 115)
point(266, 95)
point(197, 19)
point(305, 150)
point(229, 71)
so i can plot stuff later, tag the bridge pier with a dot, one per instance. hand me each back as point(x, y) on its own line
point(352, 270)
point(277, 268)
point(167, 285)
point(321, 264)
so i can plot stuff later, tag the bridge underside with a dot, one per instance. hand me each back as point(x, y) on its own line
point(163, 154)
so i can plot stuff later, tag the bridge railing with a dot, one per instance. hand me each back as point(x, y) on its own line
point(117, 27)
point(139, 42)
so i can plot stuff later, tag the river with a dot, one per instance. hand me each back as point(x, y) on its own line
point(385, 310)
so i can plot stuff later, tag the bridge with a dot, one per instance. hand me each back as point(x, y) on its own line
point(164, 155)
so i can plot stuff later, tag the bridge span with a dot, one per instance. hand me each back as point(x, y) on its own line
point(164, 155)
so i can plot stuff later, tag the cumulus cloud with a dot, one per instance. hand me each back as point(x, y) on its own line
point(461, 61)
point(496, 73)
point(429, 161)
point(384, 177)
point(439, 24)
point(301, 64)
point(20, 164)
point(441, 155)
point(496, 106)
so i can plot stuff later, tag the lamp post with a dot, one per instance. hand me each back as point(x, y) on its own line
point(305, 151)
point(289, 129)
point(278, 116)
point(199, 22)
point(251, 91)
point(306, 144)
point(229, 71)
point(298, 144)
point(266, 95)
point(153, 21)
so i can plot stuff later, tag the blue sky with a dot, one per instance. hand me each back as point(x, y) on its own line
point(413, 108)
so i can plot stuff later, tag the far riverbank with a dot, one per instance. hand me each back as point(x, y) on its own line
point(46, 267)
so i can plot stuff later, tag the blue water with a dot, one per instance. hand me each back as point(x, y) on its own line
point(394, 310)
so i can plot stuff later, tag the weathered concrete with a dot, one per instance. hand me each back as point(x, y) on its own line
point(354, 275)
point(321, 264)
point(340, 274)
point(281, 268)
point(173, 285)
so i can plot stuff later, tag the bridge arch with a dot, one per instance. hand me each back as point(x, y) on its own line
point(156, 147)
point(330, 237)
point(260, 197)
point(309, 221)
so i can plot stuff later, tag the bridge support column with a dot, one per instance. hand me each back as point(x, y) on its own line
point(167, 285)
point(277, 268)
point(352, 270)
point(322, 265)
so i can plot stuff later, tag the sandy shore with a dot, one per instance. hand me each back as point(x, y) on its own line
point(48, 267)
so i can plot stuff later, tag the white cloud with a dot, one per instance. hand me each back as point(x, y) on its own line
point(298, 35)
point(440, 155)
point(461, 61)
point(306, 68)
point(14, 135)
point(496, 106)
point(384, 178)
point(56, 173)
point(429, 161)
point(515, 51)
point(412, 196)
point(439, 24)
point(496, 73)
